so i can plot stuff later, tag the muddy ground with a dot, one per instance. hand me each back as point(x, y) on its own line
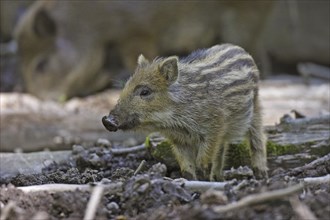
point(151, 194)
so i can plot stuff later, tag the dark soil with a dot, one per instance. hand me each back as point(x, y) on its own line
point(148, 195)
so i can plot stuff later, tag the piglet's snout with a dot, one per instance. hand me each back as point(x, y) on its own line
point(110, 123)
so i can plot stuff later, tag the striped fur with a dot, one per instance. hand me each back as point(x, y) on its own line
point(203, 102)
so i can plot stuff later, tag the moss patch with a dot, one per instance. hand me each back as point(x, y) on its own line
point(162, 152)
point(274, 149)
point(238, 155)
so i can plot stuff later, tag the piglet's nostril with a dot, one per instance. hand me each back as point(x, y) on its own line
point(110, 123)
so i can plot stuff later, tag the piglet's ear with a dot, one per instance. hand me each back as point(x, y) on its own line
point(44, 25)
point(142, 61)
point(169, 68)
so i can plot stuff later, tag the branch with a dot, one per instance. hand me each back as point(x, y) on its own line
point(94, 202)
point(303, 212)
point(259, 198)
point(317, 180)
point(140, 167)
point(112, 187)
point(201, 186)
point(119, 151)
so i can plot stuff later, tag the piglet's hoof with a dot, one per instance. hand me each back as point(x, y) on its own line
point(110, 123)
point(260, 174)
point(188, 176)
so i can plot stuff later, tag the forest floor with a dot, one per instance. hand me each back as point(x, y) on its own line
point(99, 180)
point(117, 189)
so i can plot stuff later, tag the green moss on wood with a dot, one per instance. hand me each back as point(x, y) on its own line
point(162, 152)
point(274, 149)
point(238, 154)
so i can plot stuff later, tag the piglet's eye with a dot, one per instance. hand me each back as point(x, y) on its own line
point(145, 92)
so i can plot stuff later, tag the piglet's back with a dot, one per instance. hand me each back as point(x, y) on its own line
point(225, 69)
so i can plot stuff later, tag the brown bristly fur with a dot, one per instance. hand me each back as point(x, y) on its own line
point(201, 103)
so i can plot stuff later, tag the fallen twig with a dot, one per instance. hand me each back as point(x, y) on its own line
point(94, 202)
point(54, 188)
point(140, 167)
point(112, 187)
point(119, 151)
point(317, 180)
point(301, 210)
point(259, 198)
point(201, 186)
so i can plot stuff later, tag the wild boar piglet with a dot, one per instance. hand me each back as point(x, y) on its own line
point(201, 103)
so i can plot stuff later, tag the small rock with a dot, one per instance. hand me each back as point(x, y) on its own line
point(214, 197)
point(48, 162)
point(239, 173)
point(106, 181)
point(101, 142)
point(122, 173)
point(158, 168)
point(113, 207)
point(94, 159)
point(76, 149)
point(40, 215)
point(143, 188)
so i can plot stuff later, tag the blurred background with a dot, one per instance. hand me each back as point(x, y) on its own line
point(63, 63)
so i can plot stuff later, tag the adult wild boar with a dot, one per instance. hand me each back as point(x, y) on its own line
point(74, 48)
